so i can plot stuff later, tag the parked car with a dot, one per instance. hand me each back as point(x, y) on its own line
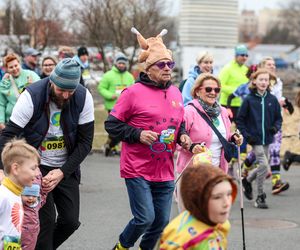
point(281, 63)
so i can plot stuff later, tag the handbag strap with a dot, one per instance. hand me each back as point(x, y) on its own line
point(217, 132)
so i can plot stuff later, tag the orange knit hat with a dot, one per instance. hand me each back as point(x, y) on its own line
point(153, 48)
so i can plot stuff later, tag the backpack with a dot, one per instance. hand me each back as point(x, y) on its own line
point(181, 85)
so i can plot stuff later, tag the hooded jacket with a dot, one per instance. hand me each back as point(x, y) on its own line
point(186, 91)
point(147, 105)
point(259, 118)
point(112, 83)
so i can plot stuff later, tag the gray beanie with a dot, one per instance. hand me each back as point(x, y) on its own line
point(121, 58)
point(66, 74)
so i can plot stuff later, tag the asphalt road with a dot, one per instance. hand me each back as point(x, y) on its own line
point(105, 212)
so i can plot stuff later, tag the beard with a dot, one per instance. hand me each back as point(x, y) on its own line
point(60, 102)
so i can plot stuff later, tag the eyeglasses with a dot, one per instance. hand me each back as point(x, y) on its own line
point(243, 55)
point(49, 65)
point(162, 65)
point(210, 89)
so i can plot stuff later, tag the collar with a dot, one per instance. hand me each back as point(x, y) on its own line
point(13, 187)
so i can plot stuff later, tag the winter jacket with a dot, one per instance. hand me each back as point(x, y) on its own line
point(147, 105)
point(200, 131)
point(112, 83)
point(186, 91)
point(259, 118)
point(231, 77)
point(8, 97)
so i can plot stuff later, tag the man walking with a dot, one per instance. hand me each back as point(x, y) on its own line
point(56, 116)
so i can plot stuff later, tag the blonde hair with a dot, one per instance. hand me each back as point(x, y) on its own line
point(263, 62)
point(199, 82)
point(16, 151)
point(202, 56)
point(259, 72)
point(9, 58)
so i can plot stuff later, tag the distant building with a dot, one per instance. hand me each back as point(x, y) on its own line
point(248, 25)
point(207, 25)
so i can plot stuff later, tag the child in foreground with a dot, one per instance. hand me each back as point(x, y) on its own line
point(33, 199)
point(20, 162)
point(207, 194)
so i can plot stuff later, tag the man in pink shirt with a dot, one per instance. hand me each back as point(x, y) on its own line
point(148, 119)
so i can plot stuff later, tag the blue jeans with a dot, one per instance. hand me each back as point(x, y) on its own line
point(150, 204)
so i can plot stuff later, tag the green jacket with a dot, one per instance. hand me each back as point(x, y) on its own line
point(112, 83)
point(231, 77)
point(8, 98)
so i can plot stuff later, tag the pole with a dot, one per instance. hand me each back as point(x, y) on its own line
point(241, 196)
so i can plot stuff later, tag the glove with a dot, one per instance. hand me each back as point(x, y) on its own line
point(251, 140)
point(289, 106)
point(273, 130)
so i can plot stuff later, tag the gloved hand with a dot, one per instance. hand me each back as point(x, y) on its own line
point(289, 106)
point(273, 130)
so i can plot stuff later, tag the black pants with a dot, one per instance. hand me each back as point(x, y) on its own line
point(63, 199)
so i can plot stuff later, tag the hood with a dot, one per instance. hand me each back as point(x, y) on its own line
point(144, 79)
point(194, 72)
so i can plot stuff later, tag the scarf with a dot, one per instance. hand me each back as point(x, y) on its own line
point(212, 111)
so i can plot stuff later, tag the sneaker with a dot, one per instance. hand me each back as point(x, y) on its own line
point(247, 189)
point(287, 161)
point(107, 150)
point(280, 186)
point(261, 201)
point(118, 246)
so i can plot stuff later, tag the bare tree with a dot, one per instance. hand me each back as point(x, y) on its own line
point(47, 28)
point(288, 30)
point(106, 22)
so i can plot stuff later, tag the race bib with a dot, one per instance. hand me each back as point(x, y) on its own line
point(54, 145)
point(11, 243)
point(119, 89)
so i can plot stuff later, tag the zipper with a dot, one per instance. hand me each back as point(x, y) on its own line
point(263, 119)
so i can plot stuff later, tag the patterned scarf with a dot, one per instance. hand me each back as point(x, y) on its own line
point(212, 111)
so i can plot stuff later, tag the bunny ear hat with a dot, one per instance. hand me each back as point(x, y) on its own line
point(153, 48)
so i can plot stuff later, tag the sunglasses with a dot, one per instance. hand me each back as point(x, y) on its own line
point(162, 65)
point(210, 89)
point(243, 55)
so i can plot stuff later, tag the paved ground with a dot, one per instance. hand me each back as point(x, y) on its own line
point(105, 211)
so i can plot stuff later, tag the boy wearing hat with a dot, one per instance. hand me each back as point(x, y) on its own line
point(144, 112)
point(208, 194)
point(232, 76)
point(56, 116)
point(20, 162)
point(110, 87)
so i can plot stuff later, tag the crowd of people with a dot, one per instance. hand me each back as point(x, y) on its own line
point(47, 129)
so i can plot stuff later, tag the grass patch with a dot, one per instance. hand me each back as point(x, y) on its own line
point(100, 135)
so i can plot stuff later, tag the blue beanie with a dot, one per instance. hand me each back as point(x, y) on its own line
point(241, 50)
point(66, 74)
point(34, 190)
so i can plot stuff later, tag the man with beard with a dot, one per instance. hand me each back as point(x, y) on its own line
point(56, 116)
point(110, 87)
